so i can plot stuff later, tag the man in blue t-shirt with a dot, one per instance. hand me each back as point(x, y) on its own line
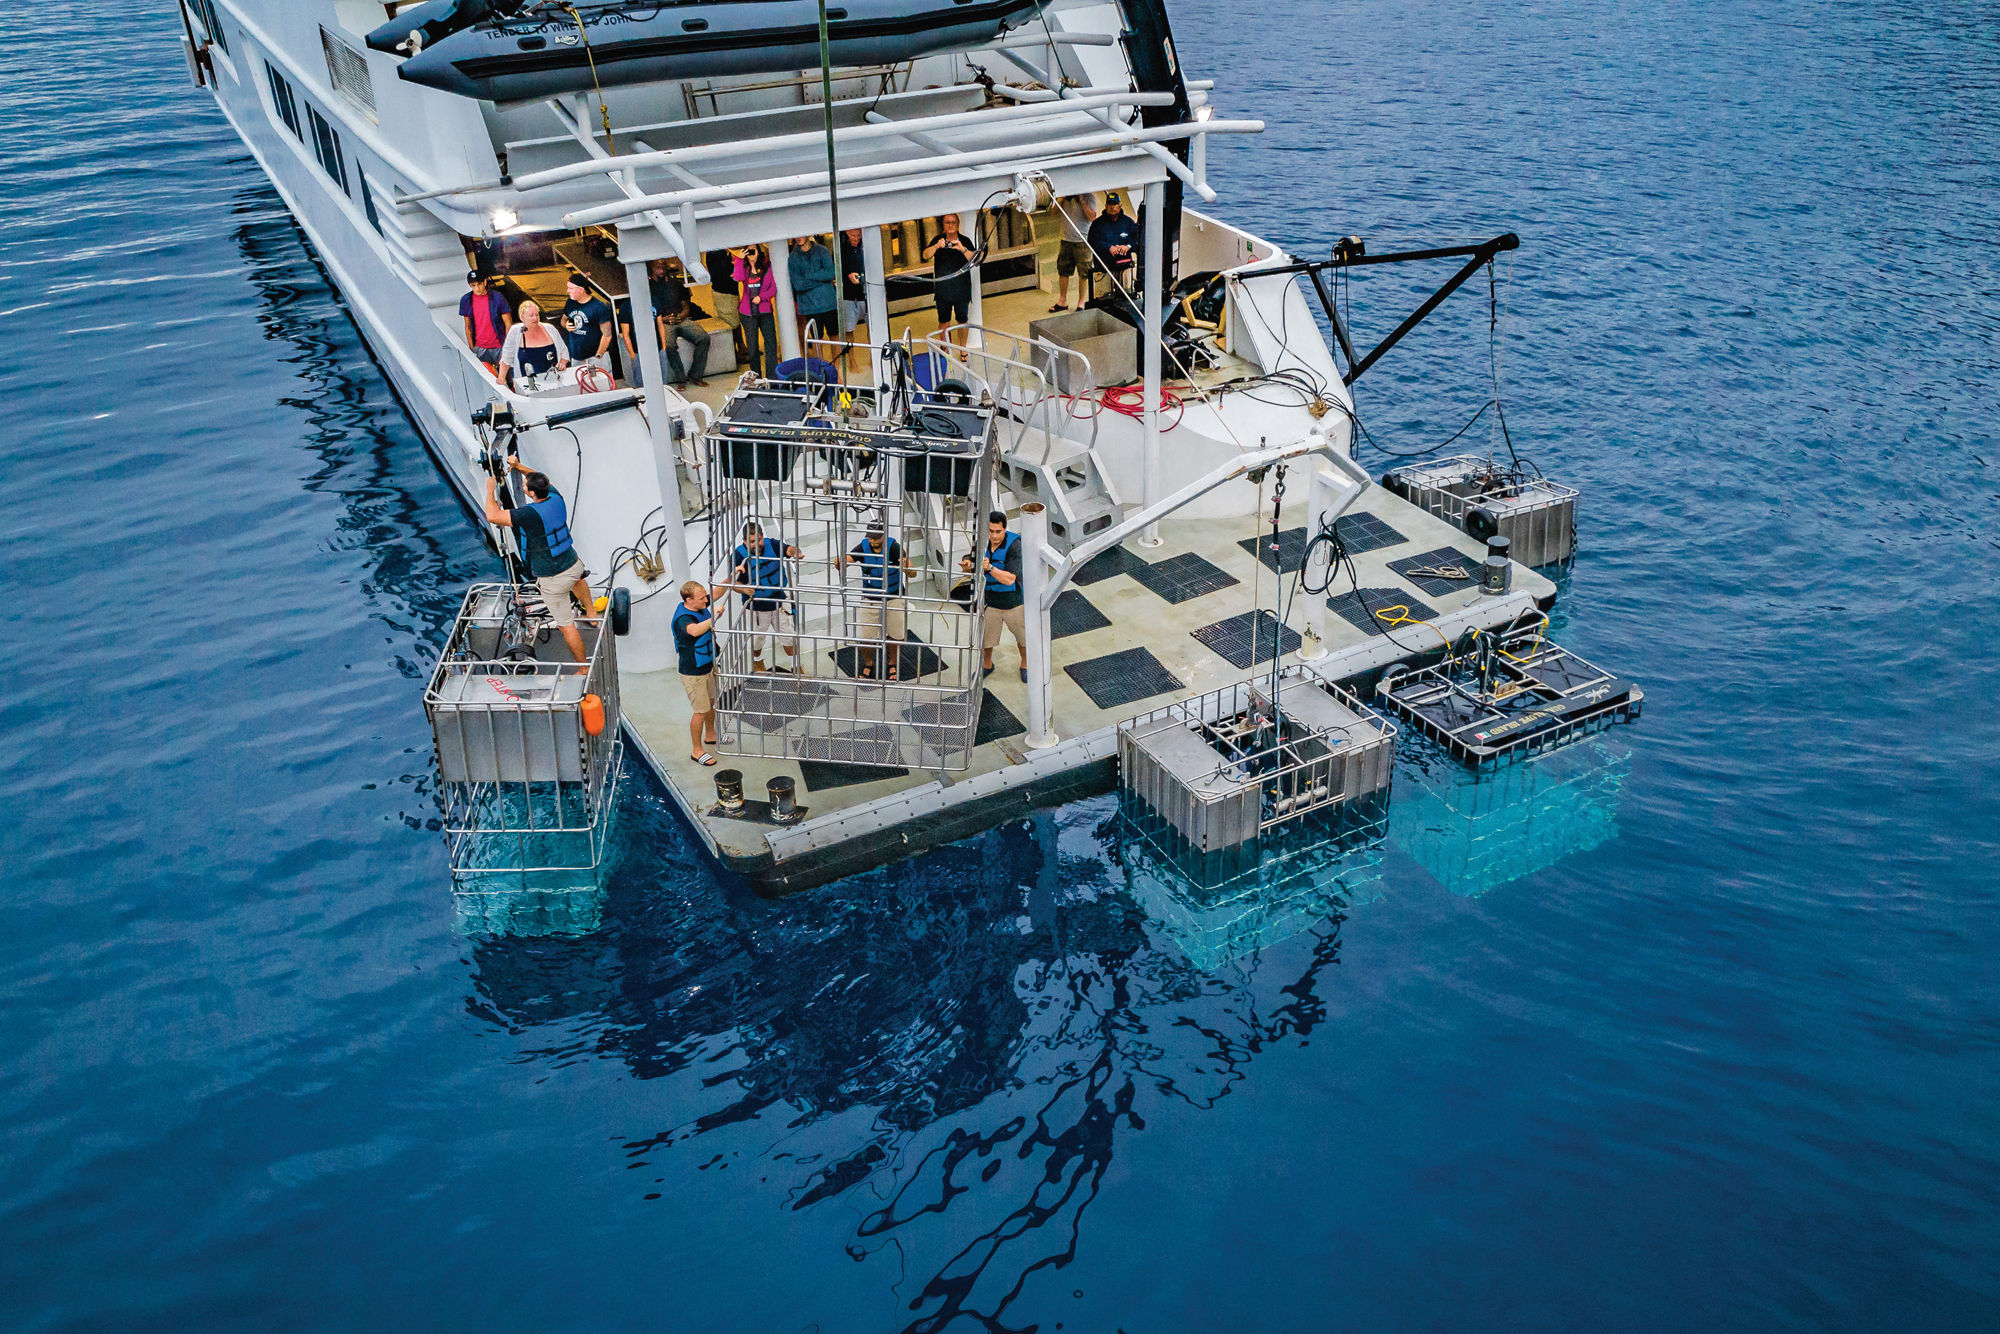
point(694, 644)
point(760, 577)
point(883, 614)
point(586, 324)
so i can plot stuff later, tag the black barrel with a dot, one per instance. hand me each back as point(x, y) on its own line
point(729, 788)
point(783, 807)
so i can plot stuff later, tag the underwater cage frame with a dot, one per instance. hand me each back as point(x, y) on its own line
point(1485, 499)
point(878, 678)
point(525, 739)
point(1491, 704)
point(1222, 769)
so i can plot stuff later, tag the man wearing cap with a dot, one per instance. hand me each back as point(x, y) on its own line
point(1115, 240)
point(586, 324)
point(884, 567)
point(486, 319)
point(1000, 565)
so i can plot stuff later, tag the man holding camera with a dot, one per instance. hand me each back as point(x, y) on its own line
point(542, 528)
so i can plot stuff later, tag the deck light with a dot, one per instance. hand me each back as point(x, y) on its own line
point(505, 219)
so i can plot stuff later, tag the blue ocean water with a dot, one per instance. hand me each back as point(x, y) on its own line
point(1696, 1030)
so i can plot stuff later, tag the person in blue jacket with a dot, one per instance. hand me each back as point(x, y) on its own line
point(694, 643)
point(1115, 238)
point(810, 267)
point(761, 578)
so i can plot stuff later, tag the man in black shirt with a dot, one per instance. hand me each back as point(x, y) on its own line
point(673, 320)
point(586, 324)
point(950, 254)
point(728, 292)
point(853, 290)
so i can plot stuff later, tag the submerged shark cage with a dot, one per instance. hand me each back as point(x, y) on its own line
point(1488, 499)
point(1212, 775)
point(813, 661)
point(527, 744)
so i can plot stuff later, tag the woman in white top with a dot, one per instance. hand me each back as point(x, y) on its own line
point(532, 348)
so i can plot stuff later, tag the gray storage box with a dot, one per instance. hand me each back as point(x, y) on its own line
point(1172, 769)
point(1110, 345)
point(496, 728)
point(1539, 522)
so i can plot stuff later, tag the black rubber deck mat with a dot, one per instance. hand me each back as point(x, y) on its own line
point(915, 660)
point(1248, 639)
point(1359, 607)
point(1444, 558)
point(1358, 533)
point(1184, 578)
point(1073, 614)
point(820, 777)
point(996, 722)
point(1121, 678)
point(1105, 564)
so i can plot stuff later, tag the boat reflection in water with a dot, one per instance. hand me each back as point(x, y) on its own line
point(943, 1056)
point(1475, 831)
point(1222, 906)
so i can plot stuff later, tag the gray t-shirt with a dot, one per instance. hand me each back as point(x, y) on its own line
point(1075, 221)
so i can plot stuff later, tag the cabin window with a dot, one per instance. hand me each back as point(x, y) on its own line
point(326, 147)
point(348, 69)
point(368, 200)
point(282, 100)
point(204, 10)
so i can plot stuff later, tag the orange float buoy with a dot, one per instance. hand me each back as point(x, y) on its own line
point(593, 714)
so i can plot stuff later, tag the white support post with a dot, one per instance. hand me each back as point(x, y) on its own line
point(1035, 613)
point(876, 279)
point(659, 420)
point(1156, 205)
point(975, 310)
point(1326, 496)
point(785, 310)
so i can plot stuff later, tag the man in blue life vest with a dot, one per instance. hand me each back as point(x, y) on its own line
point(760, 578)
point(542, 528)
point(694, 643)
point(883, 613)
point(1000, 566)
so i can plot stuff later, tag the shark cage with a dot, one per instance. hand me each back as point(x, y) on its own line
point(841, 522)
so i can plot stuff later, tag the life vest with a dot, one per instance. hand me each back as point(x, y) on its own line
point(878, 565)
point(555, 532)
point(697, 651)
point(998, 559)
point(764, 572)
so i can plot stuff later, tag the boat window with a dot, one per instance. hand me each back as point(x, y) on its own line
point(348, 69)
point(368, 201)
point(326, 147)
point(204, 10)
point(282, 99)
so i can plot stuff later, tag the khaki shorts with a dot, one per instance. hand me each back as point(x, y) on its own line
point(700, 691)
point(1072, 257)
point(869, 618)
point(1014, 619)
point(727, 312)
point(555, 593)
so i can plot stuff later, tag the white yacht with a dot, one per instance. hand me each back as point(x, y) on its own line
point(1139, 445)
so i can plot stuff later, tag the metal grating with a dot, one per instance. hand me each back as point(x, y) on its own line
point(1121, 678)
point(820, 777)
point(1378, 611)
point(1184, 578)
point(1105, 564)
point(1358, 533)
point(1073, 614)
point(996, 721)
point(1246, 640)
point(1444, 558)
point(768, 701)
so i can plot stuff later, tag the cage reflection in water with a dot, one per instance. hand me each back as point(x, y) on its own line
point(1222, 906)
point(1475, 830)
point(850, 634)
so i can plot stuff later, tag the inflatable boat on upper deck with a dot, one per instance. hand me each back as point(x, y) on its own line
point(511, 50)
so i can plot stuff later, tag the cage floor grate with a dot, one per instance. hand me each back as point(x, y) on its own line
point(1184, 578)
point(1073, 614)
point(1105, 564)
point(1444, 558)
point(1246, 640)
point(1358, 532)
point(916, 659)
point(866, 744)
point(1359, 609)
point(769, 701)
point(1121, 678)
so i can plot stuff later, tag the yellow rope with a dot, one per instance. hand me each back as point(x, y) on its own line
point(603, 111)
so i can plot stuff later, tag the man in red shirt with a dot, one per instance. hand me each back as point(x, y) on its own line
point(486, 319)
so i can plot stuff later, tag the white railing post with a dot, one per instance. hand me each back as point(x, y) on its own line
point(1325, 494)
point(875, 283)
point(659, 419)
point(784, 310)
point(1154, 259)
point(1035, 615)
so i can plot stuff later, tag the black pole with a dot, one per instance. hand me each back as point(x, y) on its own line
point(832, 197)
point(1156, 68)
point(1477, 263)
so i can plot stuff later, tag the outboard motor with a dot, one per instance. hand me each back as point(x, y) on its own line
point(414, 29)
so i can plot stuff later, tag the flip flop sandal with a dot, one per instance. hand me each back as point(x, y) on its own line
point(704, 759)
